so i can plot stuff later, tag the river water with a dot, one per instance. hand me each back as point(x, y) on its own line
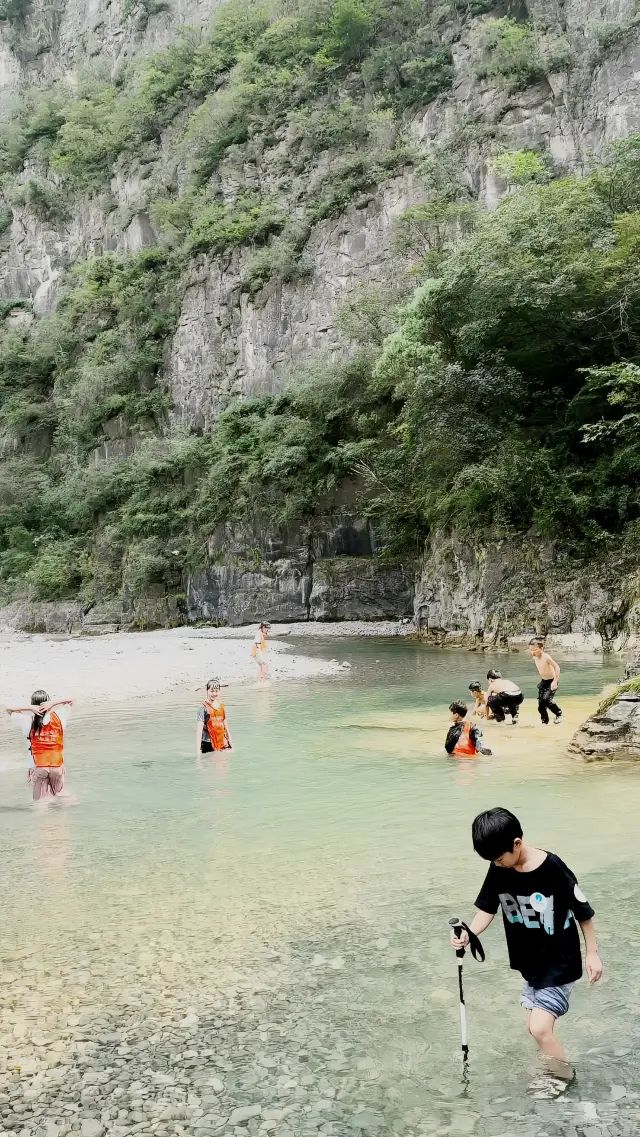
point(268, 927)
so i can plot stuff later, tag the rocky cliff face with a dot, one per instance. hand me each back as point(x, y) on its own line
point(229, 341)
point(329, 573)
point(494, 591)
point(224, 341)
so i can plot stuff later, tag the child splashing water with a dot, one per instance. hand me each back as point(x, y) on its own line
point(44, 727)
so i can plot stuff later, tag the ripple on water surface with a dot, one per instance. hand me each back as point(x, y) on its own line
point(268, 928)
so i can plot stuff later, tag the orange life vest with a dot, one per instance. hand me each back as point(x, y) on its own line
point(216, 725)
point(464, 747)
point(46, 744)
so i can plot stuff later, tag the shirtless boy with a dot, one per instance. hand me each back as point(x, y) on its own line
point(480, 708)
point(549, 673)
point(503, 696)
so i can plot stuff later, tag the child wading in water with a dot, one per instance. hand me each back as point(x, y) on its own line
point(480, 709)
point(549, 672)
point(44, 727)
point(211, 730)
point(464, 740)
point(541, 902)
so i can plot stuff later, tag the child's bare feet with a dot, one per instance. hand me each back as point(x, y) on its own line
point(559, 1068)
point(546, 1088)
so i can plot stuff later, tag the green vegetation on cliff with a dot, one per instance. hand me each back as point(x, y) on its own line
point(499, 387)
point(630, 686)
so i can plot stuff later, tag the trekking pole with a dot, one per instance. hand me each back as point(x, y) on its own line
point(456, 927)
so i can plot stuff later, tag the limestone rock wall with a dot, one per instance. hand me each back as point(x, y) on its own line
point(495, 591)
point(325, 572)
point(68, 617)
point(227, 342)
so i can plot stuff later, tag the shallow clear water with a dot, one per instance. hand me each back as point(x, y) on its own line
point(314, 870)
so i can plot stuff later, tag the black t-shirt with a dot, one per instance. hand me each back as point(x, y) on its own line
point(538, 910)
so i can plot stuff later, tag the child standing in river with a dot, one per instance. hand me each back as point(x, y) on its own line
point(211, 730)
point(541, 903)
point(43, 724)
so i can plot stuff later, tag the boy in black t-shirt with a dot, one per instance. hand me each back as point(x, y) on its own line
point(541, 902)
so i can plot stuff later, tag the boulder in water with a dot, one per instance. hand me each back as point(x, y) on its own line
point(613, 732)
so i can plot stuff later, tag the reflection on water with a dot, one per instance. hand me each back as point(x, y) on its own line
point(298, 890)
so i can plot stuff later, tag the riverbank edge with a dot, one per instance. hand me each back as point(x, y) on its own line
point(75, 619)
point(569, 642)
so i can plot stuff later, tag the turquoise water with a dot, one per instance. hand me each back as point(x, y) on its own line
point(323, 857)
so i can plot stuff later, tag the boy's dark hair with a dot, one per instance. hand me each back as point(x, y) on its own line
point(494, 675)
point(537, 641)
point(494, 832)
point(458, 709)
point(475, 686)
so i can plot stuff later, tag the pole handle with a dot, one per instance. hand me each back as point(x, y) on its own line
point(456, 927)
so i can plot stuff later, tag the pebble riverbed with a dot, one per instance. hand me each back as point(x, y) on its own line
point(167, 1036)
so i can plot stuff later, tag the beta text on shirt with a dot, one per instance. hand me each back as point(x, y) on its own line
point(539, 910)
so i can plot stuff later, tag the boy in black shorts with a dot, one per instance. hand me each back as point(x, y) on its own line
point(541, 903)
point(504, 697)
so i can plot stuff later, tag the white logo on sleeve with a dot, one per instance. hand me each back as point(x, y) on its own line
point(579, 895)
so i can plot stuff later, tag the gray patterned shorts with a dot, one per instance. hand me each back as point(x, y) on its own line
point(555, 1000)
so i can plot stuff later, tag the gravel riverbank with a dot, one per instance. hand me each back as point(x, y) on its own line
point(133, 665)
point(137, 664)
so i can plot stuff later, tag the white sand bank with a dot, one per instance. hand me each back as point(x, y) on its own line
point(121, 666)
point(319, 630)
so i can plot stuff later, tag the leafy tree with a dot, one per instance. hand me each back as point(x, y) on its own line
point(510, 53)
point(517, 167)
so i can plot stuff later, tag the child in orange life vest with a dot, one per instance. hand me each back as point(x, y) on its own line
point(464, 740)
point(211, 730)
point(44, 728)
